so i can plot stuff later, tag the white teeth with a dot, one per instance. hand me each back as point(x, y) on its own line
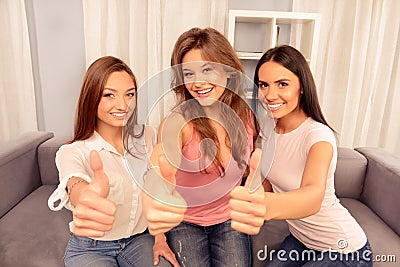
point(274, 106)
point(119, 114)
point(204, 91)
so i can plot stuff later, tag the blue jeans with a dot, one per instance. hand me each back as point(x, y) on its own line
point(210, 246)
point(136, 250)
point(293, 253)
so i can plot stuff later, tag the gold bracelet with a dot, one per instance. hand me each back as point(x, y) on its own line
point(72, 186)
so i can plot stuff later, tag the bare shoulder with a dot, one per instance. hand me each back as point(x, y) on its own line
point(150, 135)
point(174, 125)
point(173, 119)
point(150, 131)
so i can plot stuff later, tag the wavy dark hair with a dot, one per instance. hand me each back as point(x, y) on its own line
point(214, 47)
point(92, 88)
point(290, 58)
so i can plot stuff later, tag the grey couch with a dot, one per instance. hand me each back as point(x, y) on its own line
point(367, 182)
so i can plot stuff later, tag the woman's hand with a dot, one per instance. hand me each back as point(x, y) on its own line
point(161, 248)
point(93, 214)
point(163, 207)
point(248, 208)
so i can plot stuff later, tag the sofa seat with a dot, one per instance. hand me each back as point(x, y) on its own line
point(31, 224)
point(381, 237)
point(384, 241)
point(367, 181)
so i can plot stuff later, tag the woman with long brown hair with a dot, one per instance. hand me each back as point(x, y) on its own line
point(108, 227)
point(208, 137)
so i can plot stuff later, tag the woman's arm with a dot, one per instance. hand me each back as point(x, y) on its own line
point(172, 134)
point(306, 200)
point(163, 207)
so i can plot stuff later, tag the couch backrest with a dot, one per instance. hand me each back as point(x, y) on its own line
point(19, 171)
point(382, 185)
point(350, 173)
point(46, 156)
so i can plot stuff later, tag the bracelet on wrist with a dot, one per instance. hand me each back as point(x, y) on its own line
point(74, 184)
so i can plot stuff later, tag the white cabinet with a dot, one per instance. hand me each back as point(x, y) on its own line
point(252, 32)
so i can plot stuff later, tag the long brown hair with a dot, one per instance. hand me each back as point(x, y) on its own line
point(214, 47)
point(92, 88)
point(290, 58)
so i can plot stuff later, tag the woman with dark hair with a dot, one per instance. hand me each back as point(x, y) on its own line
point(300, 184)
point(108, 227)
point(208, 137)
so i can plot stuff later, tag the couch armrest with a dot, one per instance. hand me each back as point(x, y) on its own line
point(381, 191)
point(47, 155)
point(19, 168)
point(350, 173)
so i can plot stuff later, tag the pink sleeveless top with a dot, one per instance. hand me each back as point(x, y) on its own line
point(207, 194)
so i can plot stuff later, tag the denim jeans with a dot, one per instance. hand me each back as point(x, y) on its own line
point(293, 253)
point(210, 246)
point(136, 250)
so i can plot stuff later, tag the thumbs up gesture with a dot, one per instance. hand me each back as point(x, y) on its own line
point(247, 205)
point(163, 207)
point(94, 214)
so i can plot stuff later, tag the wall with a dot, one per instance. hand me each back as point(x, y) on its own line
point(58, 55)
point(270, 5)
point(267, 5)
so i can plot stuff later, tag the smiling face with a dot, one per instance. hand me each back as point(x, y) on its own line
point(205, 81)
point(118, 91)
point(279, 90)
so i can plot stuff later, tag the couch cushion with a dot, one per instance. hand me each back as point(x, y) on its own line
point(382, 185)
point(33, 235)
point(46, 156)
point(384, 241)
point(19, 168)
point(350, 173)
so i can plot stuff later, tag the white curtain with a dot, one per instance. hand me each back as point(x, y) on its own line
point(358, 70)
point(143, 33)
point(17, 96)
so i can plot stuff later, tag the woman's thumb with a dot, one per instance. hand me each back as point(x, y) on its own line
point(254, 178)
point(99, 180)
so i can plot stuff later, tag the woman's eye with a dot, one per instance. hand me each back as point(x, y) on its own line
point(131, 94)
point(108, 95)
point(283, 84)
point(188, 74)
point(262, 85)
point(207, 70)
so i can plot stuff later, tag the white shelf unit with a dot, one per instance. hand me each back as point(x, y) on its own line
point(252, 32)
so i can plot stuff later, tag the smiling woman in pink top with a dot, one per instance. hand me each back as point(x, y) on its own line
point(300, 184)
point(208, 137)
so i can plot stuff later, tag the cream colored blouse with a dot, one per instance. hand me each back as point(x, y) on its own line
point(125, 174)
